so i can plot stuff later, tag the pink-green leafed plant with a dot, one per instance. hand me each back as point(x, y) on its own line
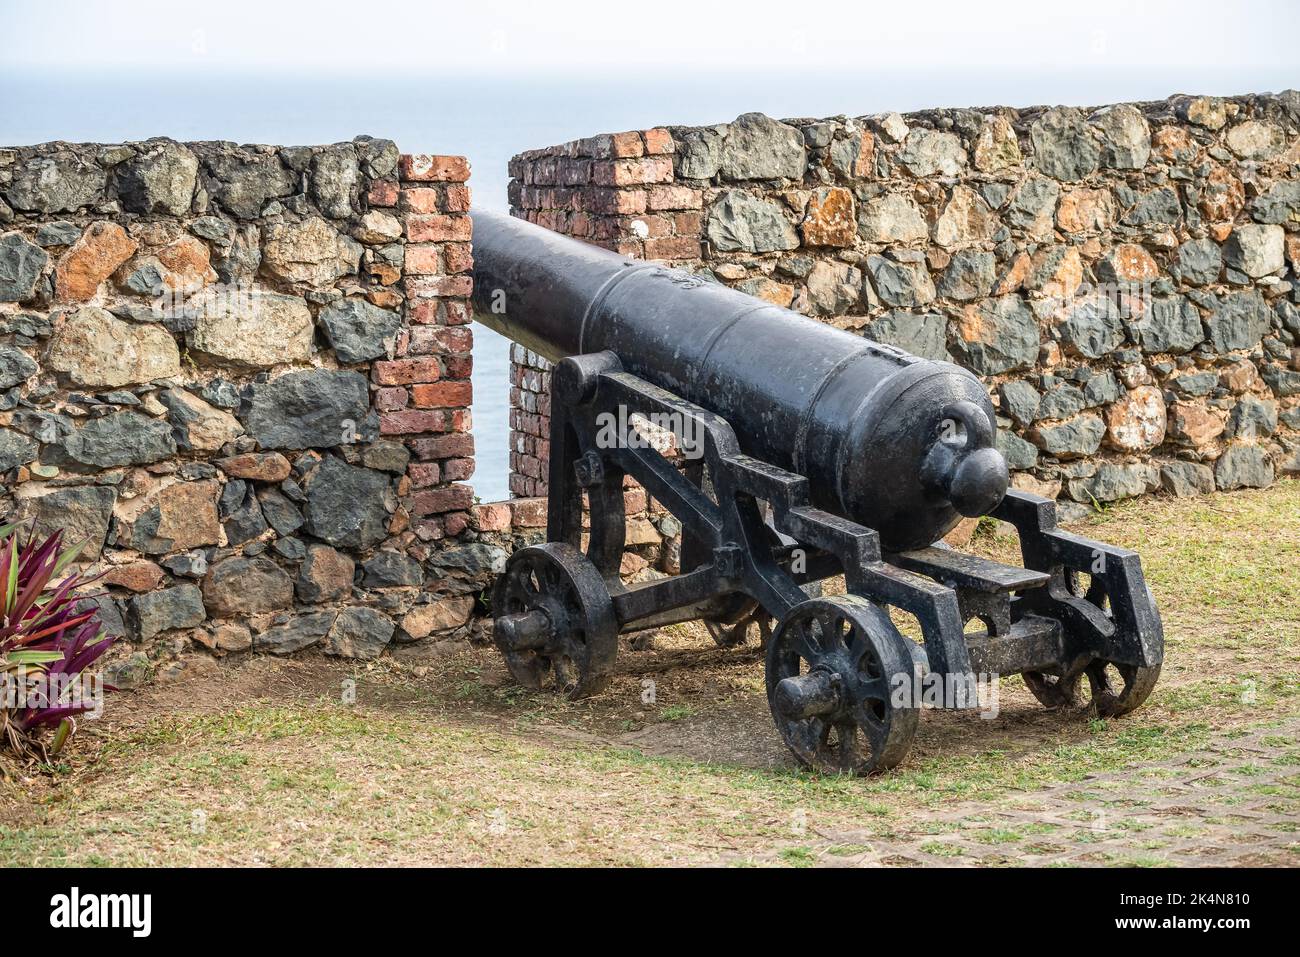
point(46, 644)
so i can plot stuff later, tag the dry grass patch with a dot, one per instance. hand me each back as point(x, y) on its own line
point(443, 760)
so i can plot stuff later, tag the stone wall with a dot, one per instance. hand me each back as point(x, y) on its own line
point(241, 374)
point(1122, 278)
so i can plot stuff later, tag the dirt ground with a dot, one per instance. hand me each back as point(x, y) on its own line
point(430, 756)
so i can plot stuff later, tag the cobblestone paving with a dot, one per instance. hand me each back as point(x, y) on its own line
point(1235, 802)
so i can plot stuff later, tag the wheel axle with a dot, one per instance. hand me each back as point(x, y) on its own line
point(807, 696)
point(524, 630)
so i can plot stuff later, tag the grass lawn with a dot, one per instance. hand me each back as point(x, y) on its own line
point(441, 759)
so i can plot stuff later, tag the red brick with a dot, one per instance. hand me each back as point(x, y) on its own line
point(390, 399)
point(453, 523)
point(424, 474)
point(658, 141)
point(674, 197)
point(456, 199)
point(673, 247)
point(383, 192)
point(441, 312)
point(457, 257)
point(626, 145)
point(452, 444)
point(529, 465)
point(432, 287)
point(435, 340)
point(608, 146)
point(457, 470)
point(614, 201)
point(494, 517)
point(424, 311)
point(454, 339)
point(458, 367)
point(544, 172)
point(454, 498)
point(412, 421)
point(437, 228)
point(421, 199)
point(406, 371)
point(572, 173)
point(688, 224)
point(528, 512)
point(425, 168)
point(656, 226)
point(632, 172)
point(420, 342)
point(423, 260)
point(442, 395)
point(461, 420)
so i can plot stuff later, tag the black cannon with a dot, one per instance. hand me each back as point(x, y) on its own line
point(791, 452)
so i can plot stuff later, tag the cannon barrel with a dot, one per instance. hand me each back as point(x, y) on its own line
point(900, 444)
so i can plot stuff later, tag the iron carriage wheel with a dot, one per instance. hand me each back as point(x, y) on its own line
point(1111, 688)
point(736, 629)
point(1114, 689)
point(555, 623)
point(832, 670)
point(751, 621)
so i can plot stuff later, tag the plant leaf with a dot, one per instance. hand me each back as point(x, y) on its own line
point(28, 657)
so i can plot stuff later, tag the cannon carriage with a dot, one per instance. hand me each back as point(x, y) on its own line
point(802, 453)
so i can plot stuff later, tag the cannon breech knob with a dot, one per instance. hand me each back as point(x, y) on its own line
point(963, 465)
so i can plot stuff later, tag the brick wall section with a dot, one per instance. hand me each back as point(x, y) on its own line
point(1123, 278)
point(615, 190)
point(425, 390)
point(653, 542)
point(653, 535)
point(530, 421)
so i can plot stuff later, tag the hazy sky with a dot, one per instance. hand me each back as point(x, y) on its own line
point(488, 79)
point(527, 35)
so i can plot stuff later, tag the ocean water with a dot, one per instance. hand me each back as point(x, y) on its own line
point(489, 118)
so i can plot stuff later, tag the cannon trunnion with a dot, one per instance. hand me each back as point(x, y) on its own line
point(791, 453)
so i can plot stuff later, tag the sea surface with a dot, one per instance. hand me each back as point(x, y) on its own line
point(489, 118)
